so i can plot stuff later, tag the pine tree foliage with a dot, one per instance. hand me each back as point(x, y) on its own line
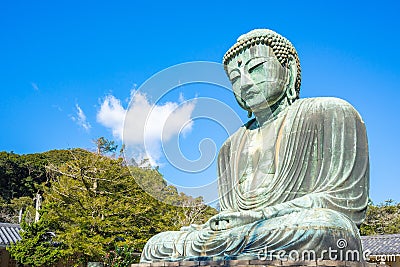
point(382, 219)
point(92, 205)
point(20, 176)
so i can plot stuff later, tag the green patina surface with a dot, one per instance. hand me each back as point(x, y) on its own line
point(294, 178)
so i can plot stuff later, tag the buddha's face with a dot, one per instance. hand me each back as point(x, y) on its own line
point(257, 77)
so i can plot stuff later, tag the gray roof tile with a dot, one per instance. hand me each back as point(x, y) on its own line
point(382, 244)
point(9, 233)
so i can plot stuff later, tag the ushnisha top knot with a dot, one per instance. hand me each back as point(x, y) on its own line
point(281, 47)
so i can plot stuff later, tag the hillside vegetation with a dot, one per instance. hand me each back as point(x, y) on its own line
point(91, 210)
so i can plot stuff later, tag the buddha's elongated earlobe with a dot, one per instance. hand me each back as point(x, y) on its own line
point(291, 92)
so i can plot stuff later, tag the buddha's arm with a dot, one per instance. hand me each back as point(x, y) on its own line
point(324, 161)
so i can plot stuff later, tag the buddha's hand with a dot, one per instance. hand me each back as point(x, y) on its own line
point(228, 220)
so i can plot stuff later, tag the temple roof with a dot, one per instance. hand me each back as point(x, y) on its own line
point(9, 233)
point(381, 244)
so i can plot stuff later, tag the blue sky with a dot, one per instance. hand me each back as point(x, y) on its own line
point(61, 61)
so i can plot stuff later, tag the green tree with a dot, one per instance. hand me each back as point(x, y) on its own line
point(11, 212)
point(15, 179)
point(93, 204)
point(121, 256)
point(382, 219)
point(37, 247)
point(104, 146)
point(20, 174)
point(189, 210)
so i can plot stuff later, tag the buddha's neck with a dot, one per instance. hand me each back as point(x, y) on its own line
point(273, 111)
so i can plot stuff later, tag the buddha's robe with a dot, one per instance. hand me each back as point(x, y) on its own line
point(307, 169)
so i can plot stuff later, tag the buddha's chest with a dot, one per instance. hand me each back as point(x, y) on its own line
point(256, 161)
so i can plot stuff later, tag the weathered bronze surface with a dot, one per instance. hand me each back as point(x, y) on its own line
point(295, 178)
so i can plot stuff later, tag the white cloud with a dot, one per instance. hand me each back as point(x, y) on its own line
point(146, 125)
point(112, 115)
point(80, 118)
point(34, 86)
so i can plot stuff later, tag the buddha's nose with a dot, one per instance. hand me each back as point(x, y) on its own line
point(246, 82)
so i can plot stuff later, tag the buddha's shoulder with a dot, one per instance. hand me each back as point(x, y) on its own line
point(324, 104)
point(324, 108)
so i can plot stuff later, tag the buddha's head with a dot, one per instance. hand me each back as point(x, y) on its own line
point(263, 68)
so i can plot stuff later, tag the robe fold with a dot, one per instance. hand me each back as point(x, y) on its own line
point(307, 170)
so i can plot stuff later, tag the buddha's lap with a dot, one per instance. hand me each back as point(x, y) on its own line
point(305, 224)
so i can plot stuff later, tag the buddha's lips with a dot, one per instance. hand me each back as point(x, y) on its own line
point(249, 94)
